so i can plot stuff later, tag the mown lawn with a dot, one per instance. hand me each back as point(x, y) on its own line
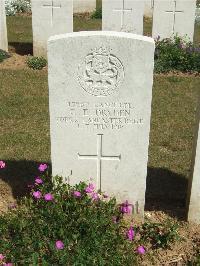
point(24, 120)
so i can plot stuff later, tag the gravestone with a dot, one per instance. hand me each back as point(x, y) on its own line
point(173, 17)
point(3, 28)
point(81, 6)
point(194, 182)
point(123, 15)
point(50, 17)
point(100, 90)
point(148, 8)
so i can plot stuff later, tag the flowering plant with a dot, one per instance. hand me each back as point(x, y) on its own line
point(17, 6)
point(176, 54)
point(60, 224)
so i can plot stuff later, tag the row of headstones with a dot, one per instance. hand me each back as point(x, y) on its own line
point(52, 17)
point(56, 17)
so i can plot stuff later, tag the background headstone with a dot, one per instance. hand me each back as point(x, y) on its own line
point(50, 17)
point(100, 90)
point(123, 15)
point(81, 6)
point(171, 17)
point(3, 27)
point(148, 8)
point(194, 182)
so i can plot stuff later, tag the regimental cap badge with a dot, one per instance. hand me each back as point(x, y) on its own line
point(101, 72)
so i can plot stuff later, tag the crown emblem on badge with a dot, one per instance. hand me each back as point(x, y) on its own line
point(101, 51)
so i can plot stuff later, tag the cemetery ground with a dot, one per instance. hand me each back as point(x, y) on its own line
point(25, 140)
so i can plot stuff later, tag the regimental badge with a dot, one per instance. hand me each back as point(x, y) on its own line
point(101, 73)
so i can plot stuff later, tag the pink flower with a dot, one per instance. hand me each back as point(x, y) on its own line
point(2, 257)
point(95, 196)
point(42, 167)
point(59, 244)
point(130, 233)
point(126, 207)
point(48, 197)
point(8, 264)
point(77, 194)
point(38, 180)
point(2, 164)
point(141, 250)
point(90, 188)
point(37, 194)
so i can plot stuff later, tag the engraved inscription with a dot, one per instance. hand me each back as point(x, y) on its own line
point(100, 116)
point(101, 73)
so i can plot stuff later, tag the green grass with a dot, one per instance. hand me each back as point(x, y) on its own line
point(173, 117)
point(20, 34)
point(24, 115)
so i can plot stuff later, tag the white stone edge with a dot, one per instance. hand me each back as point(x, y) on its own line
point(101, 33)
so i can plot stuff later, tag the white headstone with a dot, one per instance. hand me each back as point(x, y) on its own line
point(100, 89)
point(50, 17)
point(81, 6)
point(3, 28)
point(194, 182)
point(123, 15)
point(171, 17)
point(148, 8)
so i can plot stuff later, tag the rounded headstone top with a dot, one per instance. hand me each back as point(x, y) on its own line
point(101, 33)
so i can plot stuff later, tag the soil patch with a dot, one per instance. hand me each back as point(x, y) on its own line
point(15, 61)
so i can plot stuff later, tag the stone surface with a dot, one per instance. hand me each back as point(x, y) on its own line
point(100, 90)
point(123, 15)
point(173, 17)
point(148, 8)
point(3, 27)
point(194, 184)
point(50, 17)
point(81, 6)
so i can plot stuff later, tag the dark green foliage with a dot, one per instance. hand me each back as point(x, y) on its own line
point(93, 231)
point(97, 14)
point(36, 63)
point(160, 235)
point(176, 54)
point(3, 55)
point(86, 227)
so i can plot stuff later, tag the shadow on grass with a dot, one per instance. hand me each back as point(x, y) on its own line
point(166, 191)
point(22, 48)
point(18, 175)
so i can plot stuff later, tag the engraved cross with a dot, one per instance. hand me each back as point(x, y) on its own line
point(174, 11)
point(99, 157)
point(52, 6)
point(122, 11)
